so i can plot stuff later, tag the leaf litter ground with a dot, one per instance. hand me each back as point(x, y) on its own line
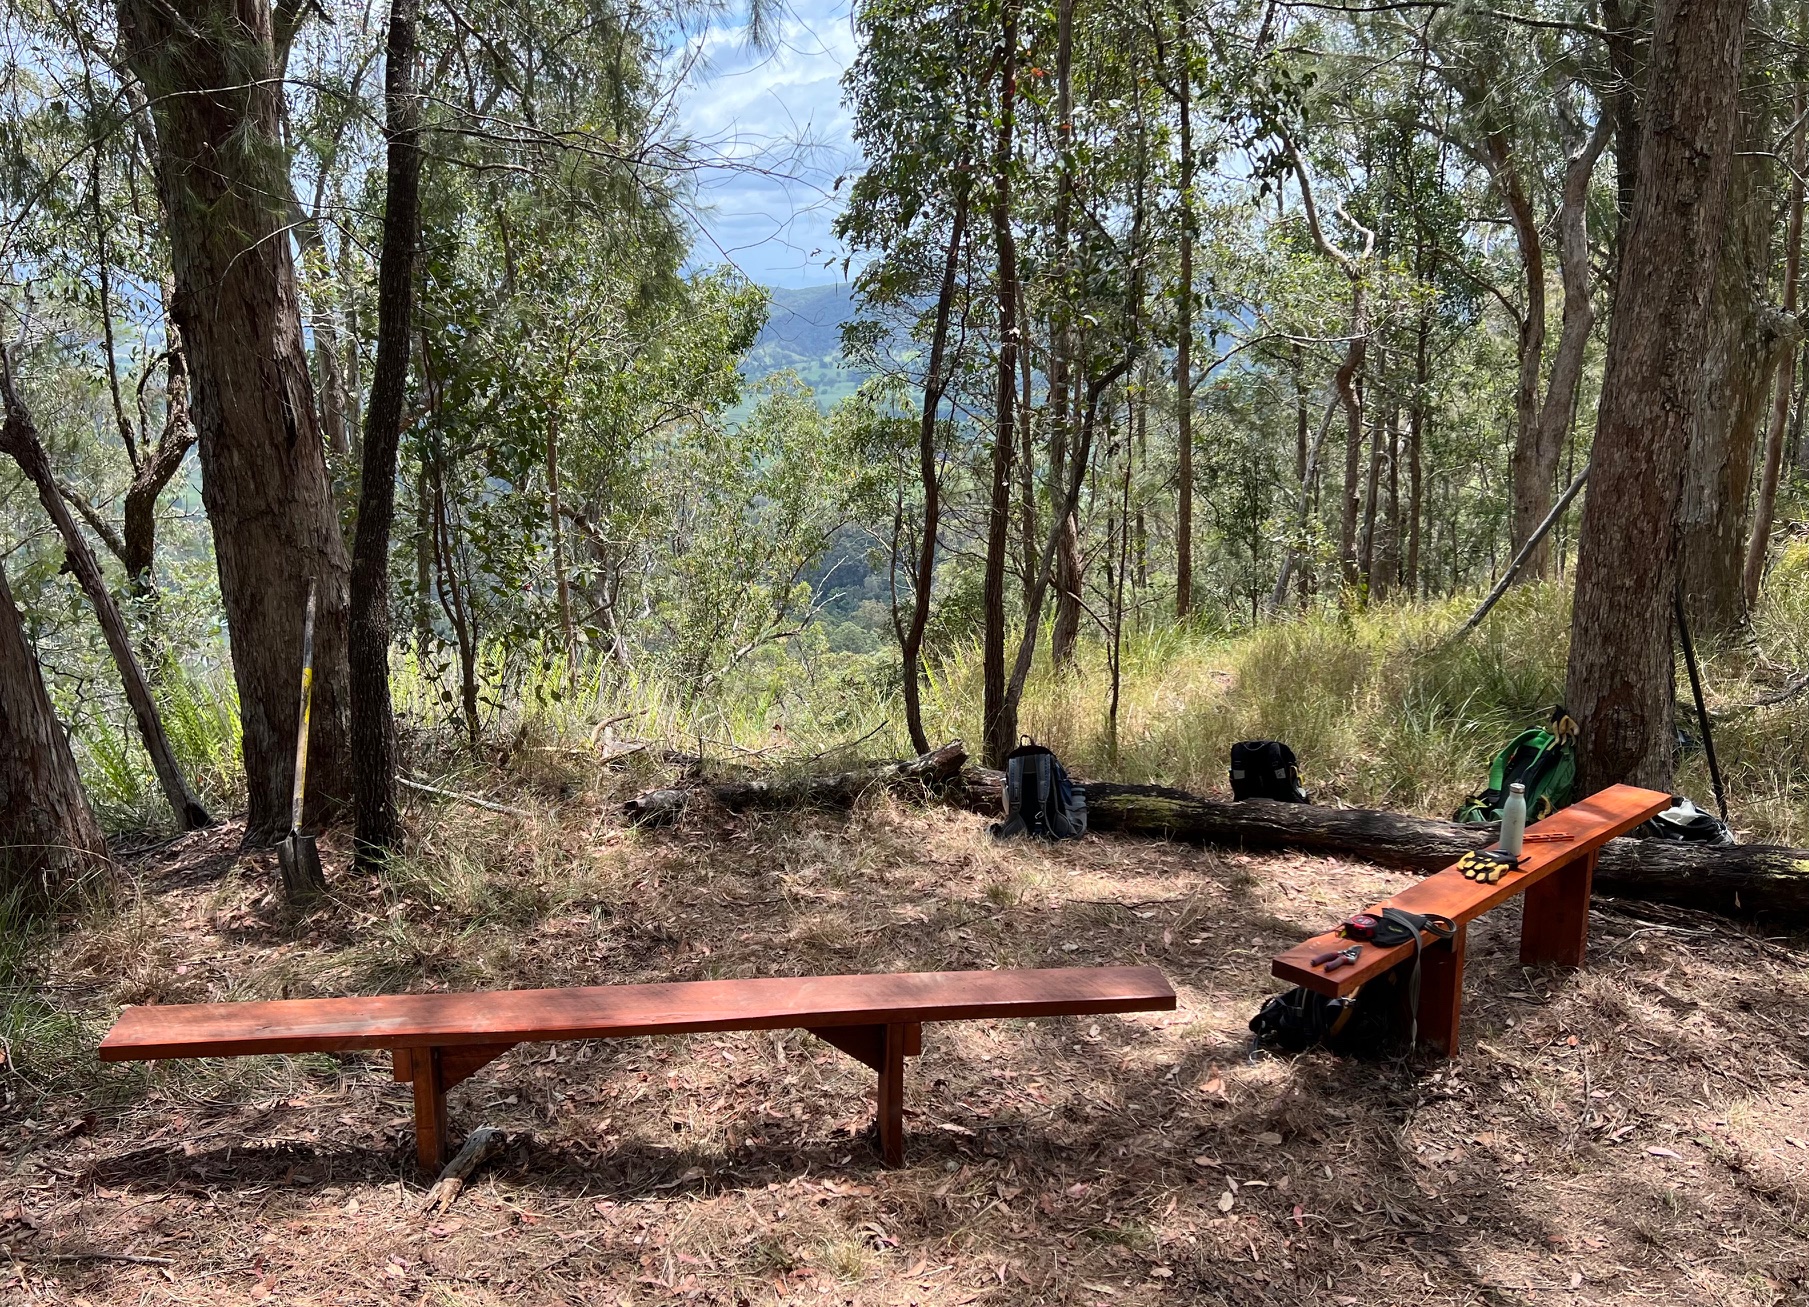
point(1635, 1133)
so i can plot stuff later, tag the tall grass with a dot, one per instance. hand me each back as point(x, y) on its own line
point(1384, 711)
point(200, 711)
point(1382, 708)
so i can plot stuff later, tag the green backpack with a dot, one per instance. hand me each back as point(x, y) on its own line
point(1544, 759)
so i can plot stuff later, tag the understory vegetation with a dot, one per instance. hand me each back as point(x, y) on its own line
point(1383, 707)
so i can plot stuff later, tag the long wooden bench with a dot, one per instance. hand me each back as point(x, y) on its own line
point(1556, 879)
point(437, 1040)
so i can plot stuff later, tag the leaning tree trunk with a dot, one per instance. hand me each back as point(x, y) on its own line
point(1619, 683)
point(378, 827)
point(19, 441)
point(210, 71)
point(49, 840)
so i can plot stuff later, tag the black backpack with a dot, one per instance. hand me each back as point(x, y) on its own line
point(1368, 1022)
point(1040, 800)
point(1684, 822)
point(1265, 769)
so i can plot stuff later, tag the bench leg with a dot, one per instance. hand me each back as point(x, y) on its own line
point(1554, 922)
point(1442, 991)
point(430, 1108)
point(898, 1039)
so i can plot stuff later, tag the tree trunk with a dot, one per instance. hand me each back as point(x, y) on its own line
point(1746, 335)
point(1416, 435)
point(1759, 541)
point(49, 840)
point(1533, 463)
point(210, 72)
point(378, 825)
point(935, 381)
point(1348, 382)
point(1070, 575)
point(1629, 50)
point(19, 441)
point(999, 714)
point(1184, 332)
point(561, 582)
point(1560, 408)
point(138, 534)
point(1620, 674)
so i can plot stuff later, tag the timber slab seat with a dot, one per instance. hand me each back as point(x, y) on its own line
point(1554, 926)
point(437, 1040)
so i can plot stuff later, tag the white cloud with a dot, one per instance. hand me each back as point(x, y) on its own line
point(777, 124)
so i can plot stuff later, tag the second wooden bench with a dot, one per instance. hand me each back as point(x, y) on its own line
point(1554, 926)
point(437, 1040)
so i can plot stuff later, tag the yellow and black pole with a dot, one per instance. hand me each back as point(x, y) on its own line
point(300, 858)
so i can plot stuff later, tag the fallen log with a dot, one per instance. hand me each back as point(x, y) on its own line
point(835, 790)
point(1738, 880)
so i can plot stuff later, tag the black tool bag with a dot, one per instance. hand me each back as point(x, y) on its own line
point(1040, 800)
point(1265, 769)
point(1366, 1023)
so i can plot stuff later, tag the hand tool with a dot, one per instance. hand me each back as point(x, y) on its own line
point(298, 855)
point(1338, 957)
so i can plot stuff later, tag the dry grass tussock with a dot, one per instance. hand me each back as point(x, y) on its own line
point(1384, 711)
point(1628, 1135)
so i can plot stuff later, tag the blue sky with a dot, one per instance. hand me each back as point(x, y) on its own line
point(778, 122)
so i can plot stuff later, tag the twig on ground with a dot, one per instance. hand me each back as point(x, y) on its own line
point(486, 804)
point(480, 1146)
point(92, 1255)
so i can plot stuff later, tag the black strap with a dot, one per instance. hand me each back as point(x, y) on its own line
point(1441, 928)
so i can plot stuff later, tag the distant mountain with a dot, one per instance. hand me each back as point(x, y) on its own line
point(803, 332)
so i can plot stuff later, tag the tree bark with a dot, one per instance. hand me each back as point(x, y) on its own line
point(210, 73)
point(561, 582)
point(1578, 319)
point(1759, 541)
point(1531, 461)
point(1070, 575)
point(999, 714)
point(1620, 673)
point(1746, 336)
point(935, 381)
point(19, 441)
point(1184, 330)
point(1743, 879)
point(49, 839)
point(378, 825)
point(1348, 381)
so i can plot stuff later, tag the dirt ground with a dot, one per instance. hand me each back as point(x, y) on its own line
point(1635, 1133)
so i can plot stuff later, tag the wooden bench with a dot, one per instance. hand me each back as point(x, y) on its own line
point(437, 1040)
point(1554, 927)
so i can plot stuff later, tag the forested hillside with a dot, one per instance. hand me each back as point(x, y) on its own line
point(510, 727)
point(1168, 328)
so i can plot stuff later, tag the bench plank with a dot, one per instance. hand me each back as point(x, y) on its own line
point(437, 1040)
point(615, 1011)
point(1559, 924)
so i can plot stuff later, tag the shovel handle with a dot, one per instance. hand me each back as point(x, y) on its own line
point(307, 699)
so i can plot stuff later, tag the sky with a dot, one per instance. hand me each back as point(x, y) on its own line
point(777, 123)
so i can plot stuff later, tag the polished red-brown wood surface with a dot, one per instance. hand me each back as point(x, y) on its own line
point(1591, 823)
point(524, 1015)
